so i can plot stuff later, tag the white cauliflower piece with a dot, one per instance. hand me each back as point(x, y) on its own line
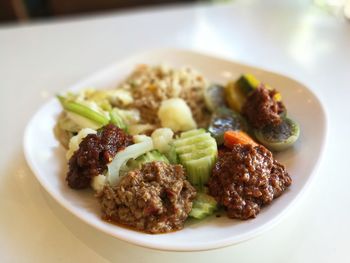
point(162, 138)
point(176, 114)
point(98, 182)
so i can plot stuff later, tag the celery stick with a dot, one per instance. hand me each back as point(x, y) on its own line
point(83, 110)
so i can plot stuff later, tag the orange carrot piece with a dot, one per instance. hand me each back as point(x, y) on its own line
point(232, 138)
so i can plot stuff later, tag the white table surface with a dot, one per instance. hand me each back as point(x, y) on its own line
point(290, 37)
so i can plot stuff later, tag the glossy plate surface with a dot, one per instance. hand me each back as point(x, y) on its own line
point(46, 157)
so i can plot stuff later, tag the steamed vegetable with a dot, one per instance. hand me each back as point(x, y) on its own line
point(203, 205)
point(223, 120)
point(235, 97)
point(142, 145)
point(162, 138)
point(147, 157)
point(117, 120)
point(67, 124)
point(214, 97)
point(98, 182)
point(237, 92)
point(129, 117)
point(231, 138)
point(247, 83)
point(108, 98)
point(280, 137)
point(82, 122)
point(84, 111)
point(197, 152)
point(172, 155)
point(176, 115)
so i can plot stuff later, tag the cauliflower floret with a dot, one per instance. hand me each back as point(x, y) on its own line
point(162, 138)
point(176, 115)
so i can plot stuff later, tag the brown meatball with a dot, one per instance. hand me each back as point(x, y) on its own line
point(94, 153)
point(260, 109)
point(156, 198)
point(246, 178)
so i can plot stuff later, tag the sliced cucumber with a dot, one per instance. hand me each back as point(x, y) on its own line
point(199, 170)
point(188, 148)
point(171, 155)
point(203, 206)
point(192, 140)
point(191, 133)
point(197, 152)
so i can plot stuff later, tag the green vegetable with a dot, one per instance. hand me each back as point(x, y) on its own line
point(84, 111)
point(247, 83)
point(116, 119)
point(237, 92)
point(223, 120)
point(203, 206)
point(129, 117)
point(280, 137)
point(171, 155)
point(148, 157)
point(214, 97)
point(142, 145)
point(197, 152)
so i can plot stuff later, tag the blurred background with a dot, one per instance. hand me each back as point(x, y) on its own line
point(12, 11)
point(24, 10)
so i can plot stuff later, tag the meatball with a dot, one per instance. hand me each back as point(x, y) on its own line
point(94, 153)
point(246, 178)
point(156, 198)
point(261, 109)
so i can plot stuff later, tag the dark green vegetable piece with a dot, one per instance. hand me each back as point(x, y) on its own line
point(280, 137)
point(223, 120)
point(248, 83)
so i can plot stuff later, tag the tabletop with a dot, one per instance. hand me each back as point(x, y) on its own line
point(290, 37)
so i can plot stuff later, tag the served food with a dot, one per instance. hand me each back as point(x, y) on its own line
point(166, 145)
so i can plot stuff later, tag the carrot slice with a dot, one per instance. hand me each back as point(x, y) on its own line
point(232, 138)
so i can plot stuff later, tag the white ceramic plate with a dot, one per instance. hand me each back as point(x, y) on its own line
point(46, 157)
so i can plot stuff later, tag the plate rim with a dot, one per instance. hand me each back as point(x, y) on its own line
point(188, 247)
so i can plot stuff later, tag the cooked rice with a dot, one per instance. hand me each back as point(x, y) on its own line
point(150, 85)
